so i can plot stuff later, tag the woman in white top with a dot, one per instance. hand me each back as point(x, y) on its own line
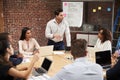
point(27, 44)
point(104, 40)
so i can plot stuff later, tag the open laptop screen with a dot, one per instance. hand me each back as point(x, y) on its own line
point(46, 50)
point(103, 57)
point(46, 64)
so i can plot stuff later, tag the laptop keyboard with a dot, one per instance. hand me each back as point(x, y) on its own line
point(40, 70)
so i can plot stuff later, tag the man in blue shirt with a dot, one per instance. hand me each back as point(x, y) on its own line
point(81, 68)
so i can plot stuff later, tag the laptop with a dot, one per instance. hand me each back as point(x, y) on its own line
point(44, 67)
point(46, 50)
point(103, 58)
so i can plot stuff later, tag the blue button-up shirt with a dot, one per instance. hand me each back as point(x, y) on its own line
point(81, 69)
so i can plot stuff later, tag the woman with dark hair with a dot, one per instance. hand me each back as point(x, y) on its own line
point(14, 58)
point(27, 44)
point(104, 40)
point(8, 37)
point(7, 70)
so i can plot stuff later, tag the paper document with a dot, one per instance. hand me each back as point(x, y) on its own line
point(25, 60)
point(42, 77)
point(58, 52)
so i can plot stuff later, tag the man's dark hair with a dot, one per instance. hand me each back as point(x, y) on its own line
point(78, 48)
point(57, 11)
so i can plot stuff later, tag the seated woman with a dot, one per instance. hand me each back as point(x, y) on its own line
point(7, 36)
point(14, 58)
point(7, 70)
point(104, 40)
point(27, 44)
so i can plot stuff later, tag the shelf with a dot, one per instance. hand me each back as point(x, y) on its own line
point(92, 32)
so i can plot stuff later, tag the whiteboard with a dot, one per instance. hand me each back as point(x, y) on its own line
point(73, 12)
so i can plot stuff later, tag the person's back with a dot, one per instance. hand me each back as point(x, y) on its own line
point(81, 68)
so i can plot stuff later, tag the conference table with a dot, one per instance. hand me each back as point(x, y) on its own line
point(59, 59)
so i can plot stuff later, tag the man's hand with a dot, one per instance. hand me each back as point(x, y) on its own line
point(116, 54)
point(113, 60)
point(57, 36)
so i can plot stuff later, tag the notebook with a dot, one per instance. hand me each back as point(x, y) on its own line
point(44, 67)
point(46, 50)
point(103, 58)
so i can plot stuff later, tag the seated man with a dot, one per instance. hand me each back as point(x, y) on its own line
point(81, 68)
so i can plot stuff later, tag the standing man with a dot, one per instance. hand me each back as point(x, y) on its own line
point(55, 30)
point(81, 68)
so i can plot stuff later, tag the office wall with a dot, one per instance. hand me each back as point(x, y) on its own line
point(100, 17)
point(36, 13)
point(1, 17)
point(32, 13)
